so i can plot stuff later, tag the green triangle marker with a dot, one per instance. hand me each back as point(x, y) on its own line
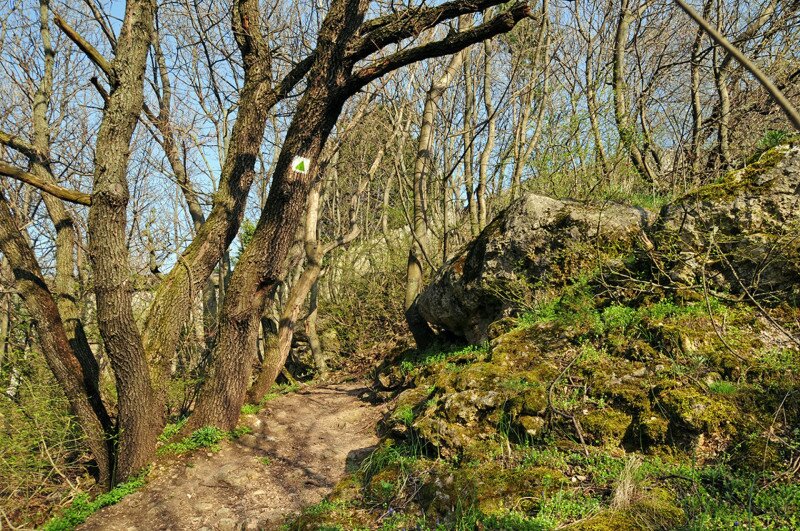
point(301, 164)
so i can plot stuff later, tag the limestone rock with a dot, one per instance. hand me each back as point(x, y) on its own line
point(742, 229)
point(536, 242)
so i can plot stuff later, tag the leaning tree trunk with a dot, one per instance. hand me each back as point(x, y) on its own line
point(342, 43)
point(65, 286)
point(262, 264)
point(277, 351)
point(171, 305)
point(84, 399)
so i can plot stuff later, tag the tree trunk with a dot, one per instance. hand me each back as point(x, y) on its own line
point(627, 131)
point(422, 333)
point(320, 363)
point(697, 104)
point(486, 153)
point(171, 305)
point(65, 285)
point(141, 417)
point(342, 42)
point(263, 262)
point(78, 385)
point(469, 141)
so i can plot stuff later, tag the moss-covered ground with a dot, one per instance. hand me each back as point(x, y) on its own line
point(599, 408)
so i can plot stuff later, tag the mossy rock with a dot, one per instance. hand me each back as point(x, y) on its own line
point(489, 487)
point(384, 485)
point(697, 410)
point(652, 510)
point(652, 428)
point(606, 427)
point(531, 426)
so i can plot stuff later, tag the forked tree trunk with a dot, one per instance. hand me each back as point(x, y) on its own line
point(342, 42)
point(141, 417)
point(171, 305)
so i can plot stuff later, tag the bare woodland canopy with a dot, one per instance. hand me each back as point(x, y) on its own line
point(136, 138)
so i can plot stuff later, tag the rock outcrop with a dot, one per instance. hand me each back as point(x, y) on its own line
point(536, 243)
point(738, 234)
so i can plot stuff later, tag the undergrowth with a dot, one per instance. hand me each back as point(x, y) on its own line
point(82, 507)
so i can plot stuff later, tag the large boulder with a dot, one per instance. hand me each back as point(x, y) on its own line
point(740, 232)
point(537, 243)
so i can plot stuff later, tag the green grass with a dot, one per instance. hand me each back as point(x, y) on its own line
point(404, 414)
point(171, 430)
point(439, 354)
point(208, 437)
point(250, 409)
point(82, 507)
point(277, 391)
point(722, 388)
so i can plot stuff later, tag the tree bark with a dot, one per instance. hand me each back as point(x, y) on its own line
point(171, 305)
point(422, 333)
point(697, 104)
point(342, 42)
point(78, 385)
point(141, 417)
point(469, 140)
point(486, 152)
point(627, 131)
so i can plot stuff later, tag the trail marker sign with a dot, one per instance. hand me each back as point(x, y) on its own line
point(301, 164)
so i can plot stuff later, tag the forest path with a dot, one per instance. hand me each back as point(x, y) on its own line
point(300, 447)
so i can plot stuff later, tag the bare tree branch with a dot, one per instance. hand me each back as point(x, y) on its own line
point(72, 196)
point(452, 43)
point(390, 29)
point(776, 93)
point(91, 52)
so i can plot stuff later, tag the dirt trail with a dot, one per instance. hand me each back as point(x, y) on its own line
point(308, 438)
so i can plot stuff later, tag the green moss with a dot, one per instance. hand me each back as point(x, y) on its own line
point(696, 410)
point(606, 426)
point(722, 388)
point(746, 178)
point(655, 510)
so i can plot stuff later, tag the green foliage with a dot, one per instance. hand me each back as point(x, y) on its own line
point(438, 354)
point(171, 430)
point(720, 497)
point(205, 437)
point(405, 414)
point(276, 391)
point(722, 387)
point(246, 231)
point(39, 439)
point(250, 409)
point(769, 140)
point(82, 507)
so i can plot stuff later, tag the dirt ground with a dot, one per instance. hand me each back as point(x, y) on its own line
point(300, 447)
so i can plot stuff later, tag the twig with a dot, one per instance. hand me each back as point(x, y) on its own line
point(564, 413)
